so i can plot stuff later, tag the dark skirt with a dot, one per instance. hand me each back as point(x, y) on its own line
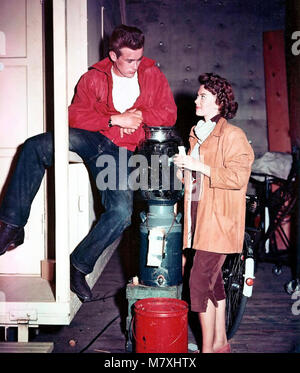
point(206, 280)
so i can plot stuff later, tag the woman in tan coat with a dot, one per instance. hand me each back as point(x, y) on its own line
point(216, 173)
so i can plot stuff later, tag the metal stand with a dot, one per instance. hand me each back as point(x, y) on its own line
point(160, 230)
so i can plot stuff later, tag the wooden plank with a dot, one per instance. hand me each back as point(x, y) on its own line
point(277, 106)
point(268, 325)
point(26, 347)
point(293, 67)
point(276, 91)
point(26, 289)
point(61, 159)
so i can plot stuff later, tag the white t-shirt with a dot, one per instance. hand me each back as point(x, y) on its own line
point(125, 91)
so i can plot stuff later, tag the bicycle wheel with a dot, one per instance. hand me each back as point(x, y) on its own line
point(238, 276)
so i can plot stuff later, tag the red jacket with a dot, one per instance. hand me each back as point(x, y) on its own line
point(92, 104)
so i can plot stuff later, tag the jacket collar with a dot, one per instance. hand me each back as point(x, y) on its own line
point(105, 65)
point(220, 127)
point(217, 131)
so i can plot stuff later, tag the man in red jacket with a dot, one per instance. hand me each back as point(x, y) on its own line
point(112, 103)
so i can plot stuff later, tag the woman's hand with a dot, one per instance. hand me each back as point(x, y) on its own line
point(179, 174)
point(187, 161)
point(183, 263)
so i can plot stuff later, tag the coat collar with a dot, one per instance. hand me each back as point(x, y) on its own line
point(217, 131)
point(220, 127)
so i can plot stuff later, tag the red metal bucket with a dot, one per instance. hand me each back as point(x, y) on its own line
point(160, 325)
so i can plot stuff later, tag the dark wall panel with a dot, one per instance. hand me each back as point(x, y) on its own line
point(97, 48)
point(189, 37)
point(293, 67)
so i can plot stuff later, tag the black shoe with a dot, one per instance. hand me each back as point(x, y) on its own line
point(10, 237)
point(79, 285)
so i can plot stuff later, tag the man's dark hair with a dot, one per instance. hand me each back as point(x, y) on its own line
point(126, 36)
point(219, 86)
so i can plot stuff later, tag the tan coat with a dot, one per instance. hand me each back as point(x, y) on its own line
point(220, 219)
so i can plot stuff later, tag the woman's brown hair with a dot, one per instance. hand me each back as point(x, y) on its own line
point(219, 86)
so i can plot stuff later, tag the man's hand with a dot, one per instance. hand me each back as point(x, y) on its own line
point(129, 121)
point(136, 111)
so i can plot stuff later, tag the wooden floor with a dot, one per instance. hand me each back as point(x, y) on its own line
point(268, 326)
point(270, 323)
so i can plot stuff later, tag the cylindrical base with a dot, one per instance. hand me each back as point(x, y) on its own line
point(169, 272)
point(161, 238)
point(161, 326)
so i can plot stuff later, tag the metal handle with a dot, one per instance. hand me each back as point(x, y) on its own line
point(143, 216)
point(178, 217)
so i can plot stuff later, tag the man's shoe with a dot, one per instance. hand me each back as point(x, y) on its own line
point(10, 237)
point(79, 285)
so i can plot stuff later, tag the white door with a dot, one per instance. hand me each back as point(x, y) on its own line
point(22, 115)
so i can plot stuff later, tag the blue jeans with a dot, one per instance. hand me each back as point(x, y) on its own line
point(36, 155)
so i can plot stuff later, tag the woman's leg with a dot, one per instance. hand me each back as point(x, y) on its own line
point(208, 298)
point(213, 327)
point(220, 338)
point(208, 324)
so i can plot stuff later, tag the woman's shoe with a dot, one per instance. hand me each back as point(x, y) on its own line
point(223, 350)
